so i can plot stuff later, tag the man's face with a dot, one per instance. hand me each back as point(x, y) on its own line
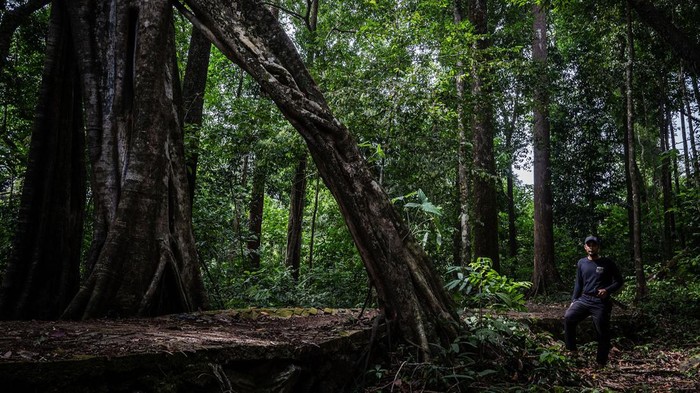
point(592, 248)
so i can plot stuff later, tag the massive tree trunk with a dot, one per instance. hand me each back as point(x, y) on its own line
point(484, 177)
point(544, 275)
point(43, 271)
point(409, 288)
point(633, 174)
point(143, 255)
point(193, 87)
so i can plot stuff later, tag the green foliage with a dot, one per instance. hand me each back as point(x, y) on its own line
point(479, 285)
point(423, 217)
point(493, 353)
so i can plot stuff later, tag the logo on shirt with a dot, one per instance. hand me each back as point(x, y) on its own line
point(599, 269)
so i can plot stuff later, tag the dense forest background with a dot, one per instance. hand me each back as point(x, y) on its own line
point(391, 71)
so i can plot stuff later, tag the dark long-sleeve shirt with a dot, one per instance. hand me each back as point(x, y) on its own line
point(592, 275)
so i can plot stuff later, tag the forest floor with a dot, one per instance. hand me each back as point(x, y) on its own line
point(663, 356)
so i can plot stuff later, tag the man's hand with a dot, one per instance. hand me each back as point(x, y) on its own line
point(602, 293)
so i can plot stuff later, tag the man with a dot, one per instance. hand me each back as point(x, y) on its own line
point(596, 279)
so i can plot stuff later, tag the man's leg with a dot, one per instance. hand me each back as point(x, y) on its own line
point(576, 313)
point(601, 322)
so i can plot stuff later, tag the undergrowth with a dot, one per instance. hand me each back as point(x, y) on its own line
point(492, 354)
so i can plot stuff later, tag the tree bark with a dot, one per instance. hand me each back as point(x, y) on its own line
point(545, 274)
point(193, 87)
point(408, 286)
point(142, 219)
point(43, 272)
point(632, 168)
point(484, 177)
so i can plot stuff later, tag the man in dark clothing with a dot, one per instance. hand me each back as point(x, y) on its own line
point(596, 279)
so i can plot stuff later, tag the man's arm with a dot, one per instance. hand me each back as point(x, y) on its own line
point(578, 284)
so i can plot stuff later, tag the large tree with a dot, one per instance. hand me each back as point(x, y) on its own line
point(408, 286)
point(43, 272)
point(545, 273)
point(485, 208)
point(142, 258)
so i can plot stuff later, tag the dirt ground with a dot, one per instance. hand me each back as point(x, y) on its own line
point(42, 341)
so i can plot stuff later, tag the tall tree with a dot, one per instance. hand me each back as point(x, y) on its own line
point(633, 173)
point(484, 177)
point(43, 272)
point(463, 255)
point(408, 287)
point(545, 274)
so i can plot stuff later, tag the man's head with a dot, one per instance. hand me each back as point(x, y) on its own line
point(592, 246)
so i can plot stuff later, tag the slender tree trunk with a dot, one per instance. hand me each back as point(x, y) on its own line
point(43, 272)
point(687, 157)
point(484, 178)
point(312, 235)
point(298, 192)
point(633, 173)
point(545, 273)
point(675, 173)
point(143, 251)
point(193, 87)
point(666, 186)
point(296, 215)
point(257, 205)
point(510, 180)
point(409, 288)
point(463, 240)
point(691, 136)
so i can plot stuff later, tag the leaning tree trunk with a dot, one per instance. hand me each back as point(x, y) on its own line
point(143, 253)
point(43, 272)
point(409, 288)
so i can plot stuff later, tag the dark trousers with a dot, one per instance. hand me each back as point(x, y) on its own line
point(600, 311)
